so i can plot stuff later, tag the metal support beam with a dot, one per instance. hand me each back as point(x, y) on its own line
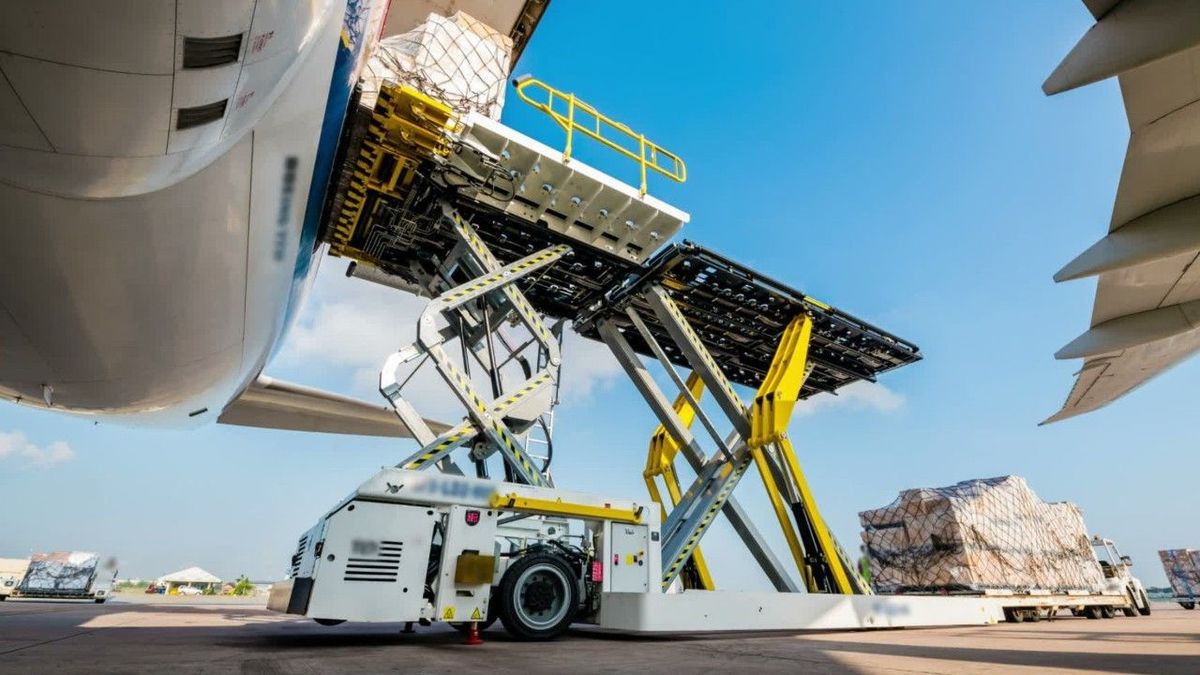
point(471, 322)
point(698, 357)
point(684, 390)
point(738, 518)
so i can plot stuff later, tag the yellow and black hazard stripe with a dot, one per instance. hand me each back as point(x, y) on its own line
point(699, 346)
point(440, 446)
point(681, 559)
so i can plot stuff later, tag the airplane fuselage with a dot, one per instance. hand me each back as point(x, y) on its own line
point(162, 169)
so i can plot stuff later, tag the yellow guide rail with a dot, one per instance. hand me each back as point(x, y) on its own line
point(573, 115)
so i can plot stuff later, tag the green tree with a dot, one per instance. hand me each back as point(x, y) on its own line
point(243, 586)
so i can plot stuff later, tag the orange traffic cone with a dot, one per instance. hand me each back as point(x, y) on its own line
point(473, 634)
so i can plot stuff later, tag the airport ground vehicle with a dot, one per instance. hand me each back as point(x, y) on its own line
point(1118, 576)
point(11, 572)
point(424, 546)
point(68, 575)
point(497, 229)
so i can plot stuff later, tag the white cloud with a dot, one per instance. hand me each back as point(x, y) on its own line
point(588, 368)
point(14, 445)
point(859, 395)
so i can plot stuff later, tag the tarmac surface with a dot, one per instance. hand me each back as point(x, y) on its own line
point(151, 634)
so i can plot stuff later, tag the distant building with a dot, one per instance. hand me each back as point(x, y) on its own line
point(192, 577)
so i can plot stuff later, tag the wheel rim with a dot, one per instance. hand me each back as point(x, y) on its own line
point(541, 596)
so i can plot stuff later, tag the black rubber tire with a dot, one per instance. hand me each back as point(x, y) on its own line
point(1188, 605)
point(1033, 615)
point(1131, 608)
point(1077, 612)
point(507, 596)
point(1092, 612)
point(3, 598)
point(330, 622)
point(100, 601)
point(1108, 611)
point(1144, 607)
point(1011, 616)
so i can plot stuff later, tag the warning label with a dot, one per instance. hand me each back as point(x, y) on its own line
point(449, 614)
point(477, 615)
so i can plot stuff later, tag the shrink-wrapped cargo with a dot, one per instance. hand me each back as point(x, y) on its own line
point(1182, 566)
point(979, 535)
point(60, 572)
point(458, 60)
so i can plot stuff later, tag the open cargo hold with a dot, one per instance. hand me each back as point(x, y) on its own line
point(979, 535)
point(1182, 566)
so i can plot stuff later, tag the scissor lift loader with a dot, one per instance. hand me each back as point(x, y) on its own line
point(510, 239)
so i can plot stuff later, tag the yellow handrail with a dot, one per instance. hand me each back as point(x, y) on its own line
point(648, 154)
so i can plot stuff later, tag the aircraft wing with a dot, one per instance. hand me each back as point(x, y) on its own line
point(1146, 314)
point(273, 404)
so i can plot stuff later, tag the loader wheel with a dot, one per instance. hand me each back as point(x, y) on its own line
point(1144, 607)
point(1188, 605)
point(538, 597)
point(1131, 608)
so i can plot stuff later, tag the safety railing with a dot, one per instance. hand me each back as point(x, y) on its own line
point(572, 114)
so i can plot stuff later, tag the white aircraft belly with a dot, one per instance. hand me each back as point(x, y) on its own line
point(128, 304)
point(172, 300)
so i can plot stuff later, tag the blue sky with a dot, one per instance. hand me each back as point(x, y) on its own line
point(897, 160)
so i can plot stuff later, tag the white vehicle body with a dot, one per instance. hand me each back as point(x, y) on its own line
point(397, 549)
point(12, 570)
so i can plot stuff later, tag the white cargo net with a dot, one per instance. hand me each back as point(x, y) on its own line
point(458, 60)
point(979, 535)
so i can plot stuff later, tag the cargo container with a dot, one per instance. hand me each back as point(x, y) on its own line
point(74, 575)
point(1182, 566)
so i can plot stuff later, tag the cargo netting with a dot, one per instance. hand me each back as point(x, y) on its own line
point(1182, 566)
point(979, 535)
point(458, 60)
point(60, 571)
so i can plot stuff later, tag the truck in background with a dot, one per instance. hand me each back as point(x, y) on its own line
point(1182, 566)
point(12, 570)
point(1118, 576)
point(68, 575)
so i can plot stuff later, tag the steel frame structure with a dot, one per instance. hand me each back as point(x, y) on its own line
point(486, 426)
point(759, 436)
point(419, 167)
